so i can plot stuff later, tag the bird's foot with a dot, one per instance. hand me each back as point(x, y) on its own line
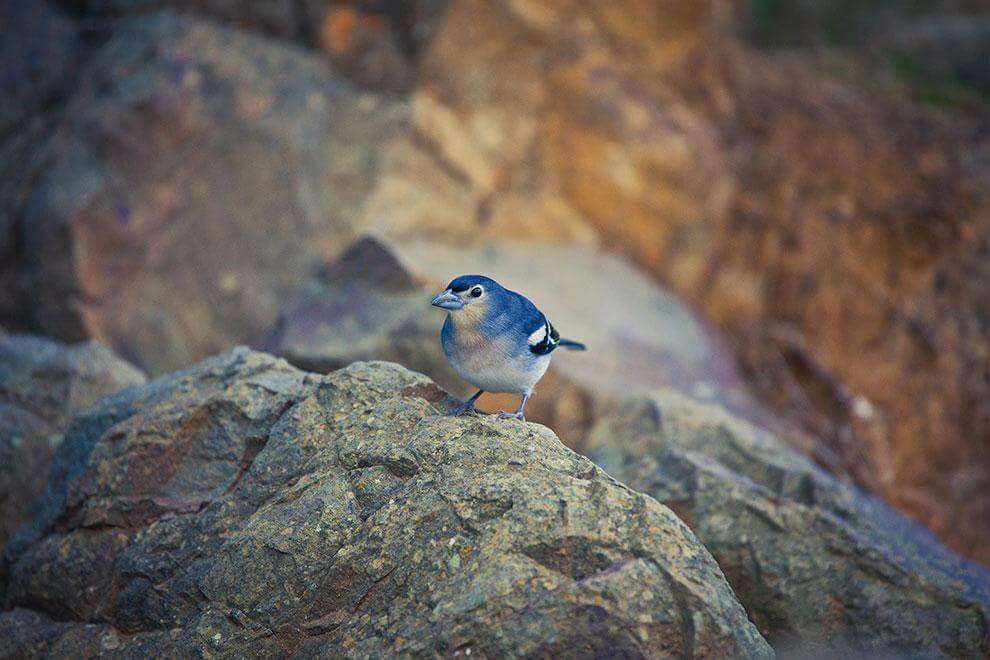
point(511, 415)
point(463, 409)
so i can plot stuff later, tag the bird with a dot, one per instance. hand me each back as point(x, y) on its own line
point(496, 339)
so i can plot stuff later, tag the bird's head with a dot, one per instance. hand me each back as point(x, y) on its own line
point(468, 293)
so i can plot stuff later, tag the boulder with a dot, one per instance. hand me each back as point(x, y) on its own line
point(243, 507)
point(287, 20)
point(376, 43)
point(819, 566)
point(373, 304)
point(41, 51)
point(43, 385)
point(20, 164)
point(195, 173)
point(774, 200)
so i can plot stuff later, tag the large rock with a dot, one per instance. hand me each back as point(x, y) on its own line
point(40, 51)
point(839, 238)
point(373, 304)
point(20, 165)
point(247, 508)
point(43, 385)
point(374, 42)
point(287, 20)
point(196, 172)
point(818, 565)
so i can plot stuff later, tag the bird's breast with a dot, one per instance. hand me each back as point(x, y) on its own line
point(470, 349)
point(494, 364)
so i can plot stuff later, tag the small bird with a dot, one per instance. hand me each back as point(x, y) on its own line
point(496, 339)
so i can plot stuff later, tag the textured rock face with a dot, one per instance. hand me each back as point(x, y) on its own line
point(194, 174)
point(244, 507)
point(853, 286)
point(373, 303)
point(43, 385)
point(815, 563)
point(843, 242)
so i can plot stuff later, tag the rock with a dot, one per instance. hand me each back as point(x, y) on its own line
point(373, 304)
point(19, 166)
point(27, 634)
point(197, 172)
point(41, 51)
point(375, 43)
point(366, 305)
point(43, 385)
point(39, 48)
point(253, 509)
point(772, 199)
point(286, 20)
point(817, 564)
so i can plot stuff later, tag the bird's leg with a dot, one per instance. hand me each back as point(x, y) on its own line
point(467, 406)
point(519, 413)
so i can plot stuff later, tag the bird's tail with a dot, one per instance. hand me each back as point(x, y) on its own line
point(572, 345)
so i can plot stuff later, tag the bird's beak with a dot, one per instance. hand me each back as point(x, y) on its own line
point(447, 300)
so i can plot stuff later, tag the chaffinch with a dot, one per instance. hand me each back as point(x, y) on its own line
point(496, 339)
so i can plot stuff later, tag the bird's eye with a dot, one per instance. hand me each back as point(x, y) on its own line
point(476, 292)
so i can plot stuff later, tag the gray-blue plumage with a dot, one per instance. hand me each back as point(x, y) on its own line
point(496, 339)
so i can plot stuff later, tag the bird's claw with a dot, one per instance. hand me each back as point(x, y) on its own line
point(462, 409)
point(511, 415)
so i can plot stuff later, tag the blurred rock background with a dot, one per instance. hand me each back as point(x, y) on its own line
point(782, 207)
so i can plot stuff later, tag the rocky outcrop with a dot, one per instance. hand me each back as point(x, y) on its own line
point(373, 304)
point(244, 507)
point(43, 385)
point(818, 565)
point(839, 238)
point(195, 174)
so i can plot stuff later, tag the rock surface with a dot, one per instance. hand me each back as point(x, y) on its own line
point(778, 202)
point(195, 173)
point(817, 564)
point(840, 238)
point(244, 507)
point(39, 48)
point(43, 385)
point(374, 43)
point(373, 304)
point(40, 51)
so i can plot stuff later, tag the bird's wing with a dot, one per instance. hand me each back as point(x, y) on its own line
point(544, 337)
point(540, 334)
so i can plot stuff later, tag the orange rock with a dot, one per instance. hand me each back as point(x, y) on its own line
point(841, 239)
point(337, 30)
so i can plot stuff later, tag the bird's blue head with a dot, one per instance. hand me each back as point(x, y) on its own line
point(468, 292)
